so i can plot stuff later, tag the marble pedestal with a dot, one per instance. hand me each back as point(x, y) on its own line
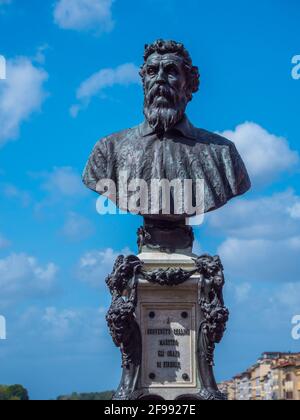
point(169, 319)
point(166, 316)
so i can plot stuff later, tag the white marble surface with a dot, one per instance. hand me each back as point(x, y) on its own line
point(169, 339)
point(157, 259)
point(168, 304)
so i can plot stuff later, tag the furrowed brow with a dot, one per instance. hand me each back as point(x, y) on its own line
point(172, 63)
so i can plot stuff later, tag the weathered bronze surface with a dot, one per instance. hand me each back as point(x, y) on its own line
point(167, 145)
point(165, 236)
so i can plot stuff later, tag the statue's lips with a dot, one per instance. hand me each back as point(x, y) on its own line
point(161, 99)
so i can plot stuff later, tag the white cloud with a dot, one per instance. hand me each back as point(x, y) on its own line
point(21, 94)
point(67, 326)
point(289, 296)
point(12, 192)
point(63, 182)
point(274, 217)
point(63, 324)
point(61, 188)
point(294, 211)
point(261, 255)
point(59, 321)
point(77, 227)
point(84, 15)
point(123, 75)
point(95, 266)
point(266, 155)
point(242, 292)
point(264, 310)
point(261, 260)
point(40, 56)
point(22, 276)
point(197, 248)
point(4, 243)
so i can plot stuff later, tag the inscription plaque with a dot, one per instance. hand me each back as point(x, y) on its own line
point(169, 340)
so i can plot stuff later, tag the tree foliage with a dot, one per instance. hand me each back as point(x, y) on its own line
point(93, 396)
point(13, 393)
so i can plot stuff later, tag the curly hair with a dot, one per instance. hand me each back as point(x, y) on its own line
point(172, 47)
point(207, 263)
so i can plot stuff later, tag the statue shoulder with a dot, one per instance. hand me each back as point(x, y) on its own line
point(112, 139)
point(208, 137)
point(227, 153)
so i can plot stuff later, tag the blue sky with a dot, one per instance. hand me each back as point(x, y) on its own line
point(72, 79)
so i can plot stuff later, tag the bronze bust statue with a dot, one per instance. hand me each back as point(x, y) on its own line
point(167, 145)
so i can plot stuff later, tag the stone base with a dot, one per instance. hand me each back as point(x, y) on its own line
point(166, 316)
point(169, 319)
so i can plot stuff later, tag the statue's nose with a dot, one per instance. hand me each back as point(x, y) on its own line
point(161, 77)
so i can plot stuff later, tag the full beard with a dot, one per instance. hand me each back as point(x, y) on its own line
point(163, 108)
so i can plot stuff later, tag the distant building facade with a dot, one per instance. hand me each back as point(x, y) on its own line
point(228, 388)
point(275, 376)
point(243, 388)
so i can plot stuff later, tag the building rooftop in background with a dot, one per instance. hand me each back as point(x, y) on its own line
point(275, 376)
point(276, 355)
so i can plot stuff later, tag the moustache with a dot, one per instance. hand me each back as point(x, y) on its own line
point(159, 90)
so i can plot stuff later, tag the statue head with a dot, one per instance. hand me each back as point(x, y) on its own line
point(169, 80)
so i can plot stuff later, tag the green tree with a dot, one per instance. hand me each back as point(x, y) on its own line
point(13, 393)
point(92, 396)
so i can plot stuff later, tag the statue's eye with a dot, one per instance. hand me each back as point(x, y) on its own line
point(151, 71)
point(172, 70)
